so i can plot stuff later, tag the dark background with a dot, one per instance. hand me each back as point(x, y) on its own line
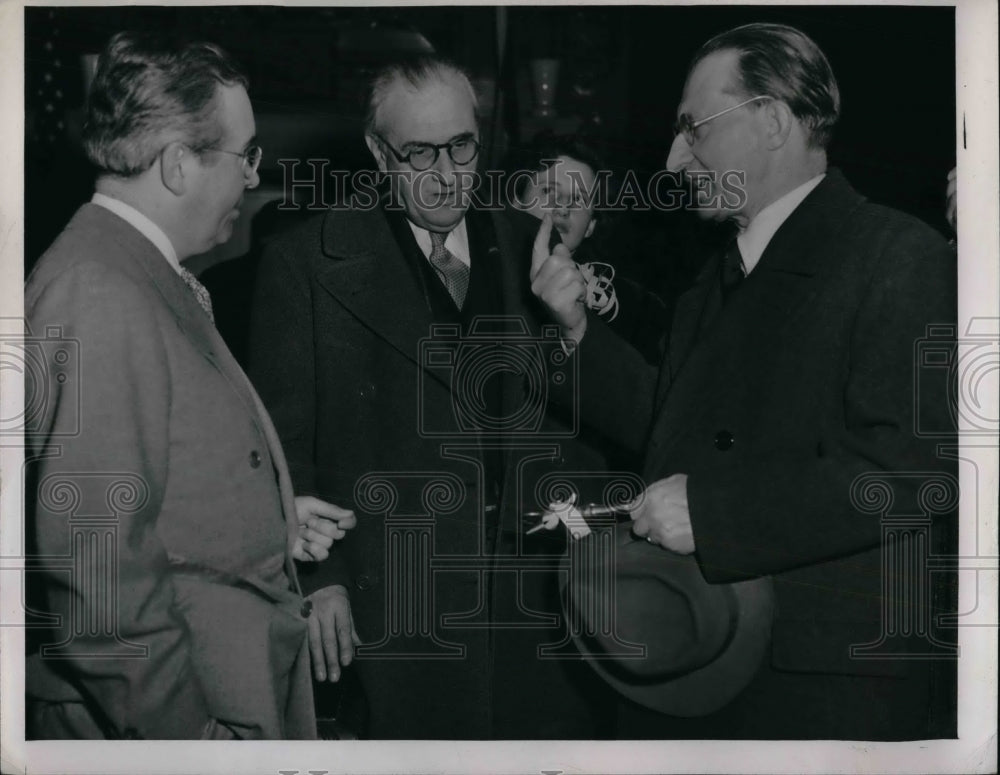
point(622, 71)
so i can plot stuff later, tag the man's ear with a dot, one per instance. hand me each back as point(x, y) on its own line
point(590, 228)
point(780, 122)
point(174, 158)
point(375, 146)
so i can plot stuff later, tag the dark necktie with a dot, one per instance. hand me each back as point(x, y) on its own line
point(731, 274)
point(200, 292)
point(453, 273)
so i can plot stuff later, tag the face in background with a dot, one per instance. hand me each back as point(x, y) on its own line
point(734, 142)
point(441, 111)
point(566, 191)
point(218, 179)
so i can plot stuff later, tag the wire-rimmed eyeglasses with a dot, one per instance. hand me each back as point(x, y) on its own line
point(251, 158)
point(686, 126)
point(423, 156)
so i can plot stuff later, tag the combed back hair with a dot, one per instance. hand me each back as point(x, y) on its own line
point(148, 91)
point(784, 63)
point(413, 73)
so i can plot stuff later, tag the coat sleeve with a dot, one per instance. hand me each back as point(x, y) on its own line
point(282, 367)
point(101, 448)
point(781, 511)
point(615, 388)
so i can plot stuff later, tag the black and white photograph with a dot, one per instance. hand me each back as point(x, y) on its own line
point(499, 388)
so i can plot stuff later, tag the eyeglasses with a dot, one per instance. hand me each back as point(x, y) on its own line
point(423, 156)
point(251, 158)
point(685, 126)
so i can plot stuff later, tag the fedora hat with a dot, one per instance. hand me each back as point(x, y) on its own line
point(651, 626)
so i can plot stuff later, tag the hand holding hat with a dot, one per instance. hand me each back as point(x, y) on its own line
point(661, 516)
point(650, 625)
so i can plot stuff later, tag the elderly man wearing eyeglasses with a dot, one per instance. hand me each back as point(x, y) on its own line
point(396, 346)
point(159, 502)
point(792, 390)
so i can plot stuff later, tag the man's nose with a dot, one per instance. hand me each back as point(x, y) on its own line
point(443, 163)
point(680, 154)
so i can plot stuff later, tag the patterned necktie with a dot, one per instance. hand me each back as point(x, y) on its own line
point(453, 273)
point(731, 274)
point(200, 292)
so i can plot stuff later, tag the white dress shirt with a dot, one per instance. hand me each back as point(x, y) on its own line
point(753, 240)
point(146, 227)
point(457, 242)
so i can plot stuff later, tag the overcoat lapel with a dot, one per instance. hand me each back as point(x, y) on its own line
point(707, 359)
point(369, 275)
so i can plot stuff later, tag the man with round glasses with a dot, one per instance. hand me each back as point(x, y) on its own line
point(155, 468)
point(351, 341)
point(789, 394)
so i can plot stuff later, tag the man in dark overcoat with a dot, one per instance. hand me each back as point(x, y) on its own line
point(400, 351)
point(791, 430)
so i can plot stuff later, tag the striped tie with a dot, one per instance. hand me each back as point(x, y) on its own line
point(453, 273)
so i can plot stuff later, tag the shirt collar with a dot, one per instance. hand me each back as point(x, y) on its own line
point(457, 242)
point(753, 240)
point(143, 225)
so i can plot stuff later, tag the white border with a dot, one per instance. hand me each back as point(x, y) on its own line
point(975, 750)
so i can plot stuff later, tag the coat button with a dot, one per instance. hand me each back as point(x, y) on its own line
point(255, 459)
point(307, 608)
point(363, 582)
point(724, 440)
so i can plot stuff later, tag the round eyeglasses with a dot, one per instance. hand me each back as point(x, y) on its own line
point(423, 156)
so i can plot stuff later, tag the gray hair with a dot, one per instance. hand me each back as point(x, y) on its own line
point(784, 63)
point(414, 73)
point(146, 89)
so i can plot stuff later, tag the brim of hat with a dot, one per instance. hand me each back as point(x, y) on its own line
point(709, 688)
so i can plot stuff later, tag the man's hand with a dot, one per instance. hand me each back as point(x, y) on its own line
point(662, 516)
point(320, 524)
point(557, 281)
point(331, 632)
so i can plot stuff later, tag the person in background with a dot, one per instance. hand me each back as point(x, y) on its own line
point(570, 183)
point(181, 616)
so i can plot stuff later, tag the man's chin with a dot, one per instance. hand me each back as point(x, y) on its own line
point(715, 214)
point(438, 219)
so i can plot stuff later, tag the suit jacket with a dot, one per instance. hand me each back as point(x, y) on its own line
point(344, 357)
point(777, 404)
point(158, 433)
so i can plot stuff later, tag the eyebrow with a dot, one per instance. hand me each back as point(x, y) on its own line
point(250, 142)
point(462, 136)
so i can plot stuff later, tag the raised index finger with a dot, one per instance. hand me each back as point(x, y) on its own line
point(540, 250)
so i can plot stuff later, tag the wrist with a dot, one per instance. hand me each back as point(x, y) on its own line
point(575, 334)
